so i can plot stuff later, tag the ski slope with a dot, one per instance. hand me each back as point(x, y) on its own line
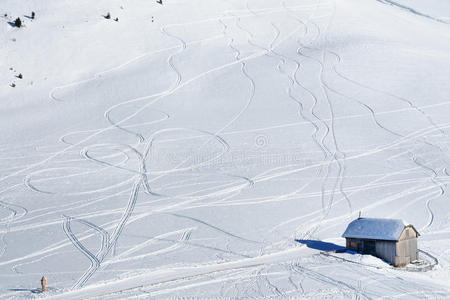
point(212, 149)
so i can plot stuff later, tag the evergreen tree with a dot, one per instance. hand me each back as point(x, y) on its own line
point(18, 23)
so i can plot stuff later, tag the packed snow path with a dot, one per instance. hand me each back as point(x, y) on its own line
point(212, 149)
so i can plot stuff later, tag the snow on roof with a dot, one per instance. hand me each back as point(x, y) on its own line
point(376, 229)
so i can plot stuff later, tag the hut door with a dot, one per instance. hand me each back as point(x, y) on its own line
point(369, 247)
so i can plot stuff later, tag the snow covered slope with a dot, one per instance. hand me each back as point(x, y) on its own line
point(212, 149)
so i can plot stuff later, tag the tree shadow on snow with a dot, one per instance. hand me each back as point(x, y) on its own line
point(34, 291)
point(12, 24)
point(319, 245)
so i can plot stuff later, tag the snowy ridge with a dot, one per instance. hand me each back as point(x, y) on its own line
point(414, 11)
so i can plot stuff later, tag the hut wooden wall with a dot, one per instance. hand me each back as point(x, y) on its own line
point(407, 247)
point(386, 250)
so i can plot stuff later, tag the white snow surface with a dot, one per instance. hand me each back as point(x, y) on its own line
point(212, 149)
point(375, 228)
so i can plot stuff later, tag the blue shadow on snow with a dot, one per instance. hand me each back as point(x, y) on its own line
point(322, 246)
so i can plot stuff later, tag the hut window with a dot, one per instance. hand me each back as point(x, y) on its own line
point(354, 244)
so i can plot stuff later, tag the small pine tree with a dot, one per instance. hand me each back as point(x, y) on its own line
point(108, 16)
point(116, 19)
point(18, 23)
point(33, 15)
point(43, 284)
point(20, 76)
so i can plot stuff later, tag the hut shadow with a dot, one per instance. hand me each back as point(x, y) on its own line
point(321, 246)
point(34, 291)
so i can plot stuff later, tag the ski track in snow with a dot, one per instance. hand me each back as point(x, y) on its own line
point(16, 212)
point(93, 258)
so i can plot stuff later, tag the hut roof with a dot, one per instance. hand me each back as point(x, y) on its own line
point(375, 229)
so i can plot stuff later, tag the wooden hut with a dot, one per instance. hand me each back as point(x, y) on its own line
point(389, 239)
